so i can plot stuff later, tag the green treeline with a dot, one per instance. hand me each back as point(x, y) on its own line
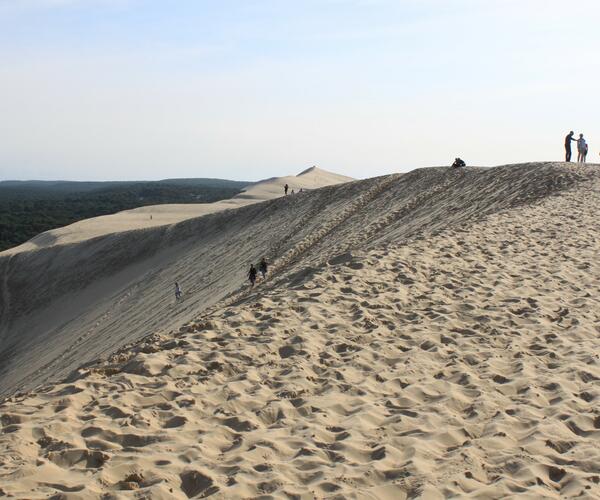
point(30, 208)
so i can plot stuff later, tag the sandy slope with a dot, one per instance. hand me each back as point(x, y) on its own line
point(160, 215)
point(462, 363)
point(67, 305)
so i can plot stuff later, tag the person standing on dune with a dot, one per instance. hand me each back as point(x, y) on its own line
point(568, 140)
point(178, 291)
point(285, 189)
point(252, 275)
point(581, 147)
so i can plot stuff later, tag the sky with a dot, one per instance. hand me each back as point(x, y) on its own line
point(249, 89)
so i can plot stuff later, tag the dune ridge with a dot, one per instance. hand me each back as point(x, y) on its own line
point(458, 361)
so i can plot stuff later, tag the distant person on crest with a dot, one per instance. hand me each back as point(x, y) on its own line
point(252, 275)
point(285, 189)
point(568, 140)
point(458, 163)
point(581, 147)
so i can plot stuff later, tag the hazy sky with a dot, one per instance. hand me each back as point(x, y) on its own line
point(247, 89)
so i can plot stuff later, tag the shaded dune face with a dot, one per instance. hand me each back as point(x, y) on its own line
point(67, 305)
point(391, 355)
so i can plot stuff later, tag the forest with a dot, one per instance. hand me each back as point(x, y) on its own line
point(28, 208)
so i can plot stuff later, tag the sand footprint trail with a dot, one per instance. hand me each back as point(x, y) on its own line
point(461, 364)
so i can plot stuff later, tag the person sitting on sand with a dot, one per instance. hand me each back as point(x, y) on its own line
point(262, 267)
point(252, 275)
point(178, 291)
point(458, 163)
point(581, 146)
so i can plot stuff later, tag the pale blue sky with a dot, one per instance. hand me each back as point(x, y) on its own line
point(148, 89)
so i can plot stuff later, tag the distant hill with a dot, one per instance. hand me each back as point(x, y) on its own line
point(28, 208)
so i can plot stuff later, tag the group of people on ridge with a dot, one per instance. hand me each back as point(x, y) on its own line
point(582, 147)
point(286, 188)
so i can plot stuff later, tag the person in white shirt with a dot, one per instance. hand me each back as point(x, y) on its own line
point(581, 149)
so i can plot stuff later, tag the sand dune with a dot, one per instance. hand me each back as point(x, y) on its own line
point(69, 304)
point(161, 215)
point(428, 335)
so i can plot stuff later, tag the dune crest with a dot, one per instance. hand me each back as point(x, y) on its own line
point(461, 362)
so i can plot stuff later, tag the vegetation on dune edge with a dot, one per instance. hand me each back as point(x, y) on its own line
point(30, 208)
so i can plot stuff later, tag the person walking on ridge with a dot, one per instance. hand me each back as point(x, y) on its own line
point(581, 147)
point(568, 140)
point(285, 189)
point(252, 275)
point(262, 267)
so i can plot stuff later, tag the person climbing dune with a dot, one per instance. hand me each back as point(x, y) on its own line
point(252, 275)
point(178, 292)
point(263, 267)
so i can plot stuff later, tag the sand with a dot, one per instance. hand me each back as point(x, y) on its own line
point(458, 361)
point(67, 305)
point(167, 214)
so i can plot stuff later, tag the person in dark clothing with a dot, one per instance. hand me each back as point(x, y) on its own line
point(458, 163)
point(262, 267)
point(252, 275)
point(568, 140)
point(285, 189)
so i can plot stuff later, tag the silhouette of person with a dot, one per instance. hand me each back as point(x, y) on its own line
point(568, 140)
point(252, 275)
point(458, 163)
point(285, 189)
point(178, 291)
